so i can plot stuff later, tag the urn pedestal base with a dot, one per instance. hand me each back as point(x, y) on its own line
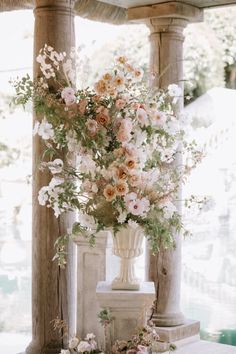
point(128, 309)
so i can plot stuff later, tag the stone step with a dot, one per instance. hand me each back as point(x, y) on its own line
point(204, 347)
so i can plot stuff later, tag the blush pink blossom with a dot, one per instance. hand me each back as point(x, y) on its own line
point(126, 124)
point(130, 197)
point(139, 207)
point(142, 117)
point(120, 103)
point(68, 95)
point(123, 136)
point(92, 126)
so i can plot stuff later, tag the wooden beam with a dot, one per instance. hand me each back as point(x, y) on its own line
point(173, 9)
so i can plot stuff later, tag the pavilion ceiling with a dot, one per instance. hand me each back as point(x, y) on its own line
point(111, 11)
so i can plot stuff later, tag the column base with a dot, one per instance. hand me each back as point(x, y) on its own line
point(183, 334)
point(168, 320)
point(36, 348)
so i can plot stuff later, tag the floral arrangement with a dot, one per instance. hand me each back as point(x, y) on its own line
point(110, 149)
point(87, 346)
point(144, 342)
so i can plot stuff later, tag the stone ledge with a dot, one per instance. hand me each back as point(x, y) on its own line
point(204, 347)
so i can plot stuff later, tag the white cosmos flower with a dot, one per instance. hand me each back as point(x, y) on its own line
point(175, 91)
point(73, 342)
point(133, 224)
point(122, 217)
point(168, 209)
point(55, 181)
point(90, 336)
point(43, 195)
point(65, 351)
point(84, 347)
point(55, 166)
point(87, 221)
point(45, 130)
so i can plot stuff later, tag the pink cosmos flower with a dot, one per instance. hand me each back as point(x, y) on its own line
point(130, 197)
point(158, 118)
point(141, 116)
point(139, 207)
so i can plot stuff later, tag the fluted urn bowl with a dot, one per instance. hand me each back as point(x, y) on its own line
point(127, 244)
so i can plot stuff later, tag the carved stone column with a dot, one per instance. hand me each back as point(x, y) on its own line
point(52, 288)
point(166, 65)
point(166, 22)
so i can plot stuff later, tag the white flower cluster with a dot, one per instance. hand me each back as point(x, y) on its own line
point(88, 345)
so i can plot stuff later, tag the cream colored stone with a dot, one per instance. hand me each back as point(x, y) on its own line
point(204, 347)
point(91, 268)
point(127, 244)
point(52, 287)
point(128, 309)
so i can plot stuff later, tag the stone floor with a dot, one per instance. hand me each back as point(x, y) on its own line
point(204, 347)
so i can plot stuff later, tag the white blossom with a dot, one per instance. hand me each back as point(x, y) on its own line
point(87, 221)
point(73, 342)
point(168, 209)
point(55, 166)
point(65, 351)
point(175, 91)
point(122, 217)
point(83, 347)
point(45, 130)
point(43, 195)
point(133, 224)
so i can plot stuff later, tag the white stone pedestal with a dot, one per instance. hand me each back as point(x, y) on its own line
point(91, 263)
point(128, 309)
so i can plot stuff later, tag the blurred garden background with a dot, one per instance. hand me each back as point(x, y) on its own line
point(209, 254)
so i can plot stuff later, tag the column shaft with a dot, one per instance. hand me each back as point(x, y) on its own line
point(166, 65)
point(54, 25)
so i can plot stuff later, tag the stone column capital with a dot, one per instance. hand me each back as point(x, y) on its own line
point(169, 26)
point(168, 10)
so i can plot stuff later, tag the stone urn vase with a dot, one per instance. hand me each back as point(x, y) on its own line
point(127, 244)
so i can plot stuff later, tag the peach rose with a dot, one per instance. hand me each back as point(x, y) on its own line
point(122, 60)
point(122, 172)
point(122, 188)
point(131, 164)
point(101, 87)
point(135, 180)
point(107, 77)
point(119, 81)
point(118, 152)
point(103, 119)
point(109, 192)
